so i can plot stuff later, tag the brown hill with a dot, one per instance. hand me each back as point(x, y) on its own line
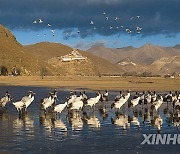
point(130, 67)
point(92, 66)
point(146, 54)
point(13, 54)
point(147, 58)
point(166, 65)
point(106, 53)
point(110, 54)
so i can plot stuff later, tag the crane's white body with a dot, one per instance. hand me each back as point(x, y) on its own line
point(60, 107)
point(93, 101)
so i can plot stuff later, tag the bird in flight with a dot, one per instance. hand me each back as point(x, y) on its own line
point(138, 17)
point(128, 31)
point(107, 18)
point(40, 21)
point(138, 28)
point(53, 31)
point(110, 27)
point(48, 25)
point(91, 23)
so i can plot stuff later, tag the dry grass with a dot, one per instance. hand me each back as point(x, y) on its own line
point(95, 83)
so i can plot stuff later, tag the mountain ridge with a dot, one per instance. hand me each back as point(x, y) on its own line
point(143, 56)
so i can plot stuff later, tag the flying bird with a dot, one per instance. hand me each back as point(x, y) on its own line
point(52, 31)
point(91, 23)
point(48, 25)
point(116, 18)
point(110, 27)
point(138, 28)
point(138, 17)
point(107, 18)
point(40, 21)
point(128, 31)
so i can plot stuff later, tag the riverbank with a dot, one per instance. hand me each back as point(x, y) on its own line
point(95, 83)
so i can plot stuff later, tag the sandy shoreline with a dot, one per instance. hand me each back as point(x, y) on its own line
point(95, 83)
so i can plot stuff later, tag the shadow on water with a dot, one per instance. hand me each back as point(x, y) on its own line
point(100, 131)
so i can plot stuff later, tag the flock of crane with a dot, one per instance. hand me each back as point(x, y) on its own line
point(79, 102)
point(111, 23)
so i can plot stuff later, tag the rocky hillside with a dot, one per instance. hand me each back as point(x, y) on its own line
point(166, 65)
point(131, 67)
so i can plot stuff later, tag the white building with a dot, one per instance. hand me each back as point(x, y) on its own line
point(74, 55)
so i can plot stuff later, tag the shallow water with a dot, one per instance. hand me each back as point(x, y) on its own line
point(88, 132)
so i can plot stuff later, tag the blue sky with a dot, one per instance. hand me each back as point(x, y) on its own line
point(70, 21)
point(113, 41)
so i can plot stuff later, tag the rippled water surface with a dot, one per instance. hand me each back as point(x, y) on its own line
point(101, 131)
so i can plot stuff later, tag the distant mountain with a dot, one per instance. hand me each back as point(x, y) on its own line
point(146, 54)
point(127, 48)
point(131, 67)
point(166, 65)
point(106, 53)
point(177, 46)
point(140, 59)
point(92, 66)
